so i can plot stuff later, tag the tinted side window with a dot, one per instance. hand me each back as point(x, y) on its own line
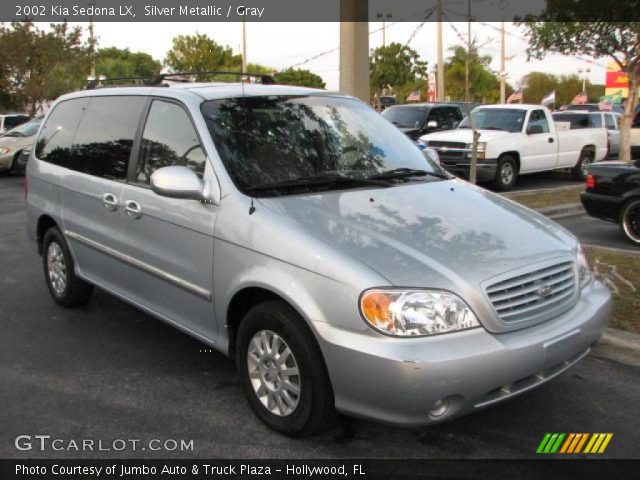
point(609, 121)
point(169, 138)
point(539, 118)
point(595, 120)
point(437, 115)
point(104, 139)
point(14, 121)
point(54, 142)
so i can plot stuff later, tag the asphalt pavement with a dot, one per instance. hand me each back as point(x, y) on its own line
point(108, 371)
point(594, 231)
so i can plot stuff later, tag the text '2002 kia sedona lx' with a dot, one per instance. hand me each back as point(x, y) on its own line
point(302, 234)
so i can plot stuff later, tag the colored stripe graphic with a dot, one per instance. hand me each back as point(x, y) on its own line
point(573, 443)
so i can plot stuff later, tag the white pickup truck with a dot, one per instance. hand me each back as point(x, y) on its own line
point(516, 140)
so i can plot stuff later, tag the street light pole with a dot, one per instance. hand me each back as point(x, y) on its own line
point(440, 65)
point(384, 17)
point(503, 71)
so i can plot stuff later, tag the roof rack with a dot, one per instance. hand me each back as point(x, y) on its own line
point(264, 79)
point(93, 83)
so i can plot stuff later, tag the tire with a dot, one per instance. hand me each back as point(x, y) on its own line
point(506, 173)
point(14, 164)
point(65, 287)
point(629, 221)
point(579, 172)
point(305, 405)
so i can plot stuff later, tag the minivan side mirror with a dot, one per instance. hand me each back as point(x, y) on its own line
point(177, 181)
point(534, 129)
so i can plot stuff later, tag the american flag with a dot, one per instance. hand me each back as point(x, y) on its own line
point(515, 96)
point(414, 96)
point(580, 99)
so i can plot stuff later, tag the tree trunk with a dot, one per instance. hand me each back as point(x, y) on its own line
point(627, 117)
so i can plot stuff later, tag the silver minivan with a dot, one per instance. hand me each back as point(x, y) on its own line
point(302, 234)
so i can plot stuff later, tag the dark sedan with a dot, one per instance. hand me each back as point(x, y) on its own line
point(613, 194)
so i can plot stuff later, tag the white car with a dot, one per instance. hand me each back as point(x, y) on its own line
point(516, 140)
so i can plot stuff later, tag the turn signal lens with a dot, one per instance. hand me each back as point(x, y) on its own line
point(591, 182)
point(415, 312)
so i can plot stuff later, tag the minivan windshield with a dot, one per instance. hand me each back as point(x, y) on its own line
point(504, 119)
point(277, 145)
point(406, 117)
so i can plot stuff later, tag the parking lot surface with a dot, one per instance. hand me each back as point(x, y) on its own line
point(594, 231)
point(108, 371)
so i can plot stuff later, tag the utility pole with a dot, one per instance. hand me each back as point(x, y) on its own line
point(92, 41)
point(503, 70)
point(244, 44)
point(474, 146)
point(440, 65)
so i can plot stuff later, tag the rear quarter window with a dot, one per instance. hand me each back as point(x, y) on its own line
point(104, 139)
point(55, 140)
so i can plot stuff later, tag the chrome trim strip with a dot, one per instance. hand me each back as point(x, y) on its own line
point(145, 267)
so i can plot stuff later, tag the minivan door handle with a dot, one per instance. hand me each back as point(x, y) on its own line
point(551, 140)
point(110, 201)
point(133, 209)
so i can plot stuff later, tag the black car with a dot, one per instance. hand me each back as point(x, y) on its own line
point(419, 119)
point(613, 194)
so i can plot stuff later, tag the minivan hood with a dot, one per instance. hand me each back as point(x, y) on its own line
point(434, 231)
point(465, 135)
point(16, 142)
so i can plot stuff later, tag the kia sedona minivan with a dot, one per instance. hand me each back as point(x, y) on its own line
point(302, 234)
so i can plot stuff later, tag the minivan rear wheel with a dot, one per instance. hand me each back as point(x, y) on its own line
point(282, 370)
point(65, 287)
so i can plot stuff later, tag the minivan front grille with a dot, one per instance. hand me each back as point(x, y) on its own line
point(540, 293)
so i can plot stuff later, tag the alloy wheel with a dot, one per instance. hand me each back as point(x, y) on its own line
point(274, 373)
point(56, 268)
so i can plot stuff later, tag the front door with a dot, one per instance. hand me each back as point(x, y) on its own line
point(541, 147)
point(169, 241)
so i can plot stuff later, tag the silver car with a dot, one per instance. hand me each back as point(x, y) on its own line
point(302, 234)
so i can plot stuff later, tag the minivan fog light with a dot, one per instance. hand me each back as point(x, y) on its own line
point(439, 408)
point(415, 312)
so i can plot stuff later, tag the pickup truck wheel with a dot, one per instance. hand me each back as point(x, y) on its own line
point(581, 169)
point(282, 370)
point(630, 221)
point(506, 173)
point(66, 288)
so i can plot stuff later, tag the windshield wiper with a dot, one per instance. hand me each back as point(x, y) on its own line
point(404, 172)
point(319, 180)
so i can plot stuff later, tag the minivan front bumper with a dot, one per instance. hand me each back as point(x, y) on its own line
point(415, 382)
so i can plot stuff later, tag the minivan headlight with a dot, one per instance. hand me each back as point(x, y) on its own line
point(4, 151)
point(405, 313)
point(584, 272)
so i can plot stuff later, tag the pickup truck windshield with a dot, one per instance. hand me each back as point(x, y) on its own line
point(504, 119)
point(290, 143)
point(406, 117)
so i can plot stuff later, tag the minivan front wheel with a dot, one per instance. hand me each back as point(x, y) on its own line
point(66, 288)
point(282, 370)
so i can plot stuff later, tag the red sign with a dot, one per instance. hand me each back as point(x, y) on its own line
point(617, 80)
